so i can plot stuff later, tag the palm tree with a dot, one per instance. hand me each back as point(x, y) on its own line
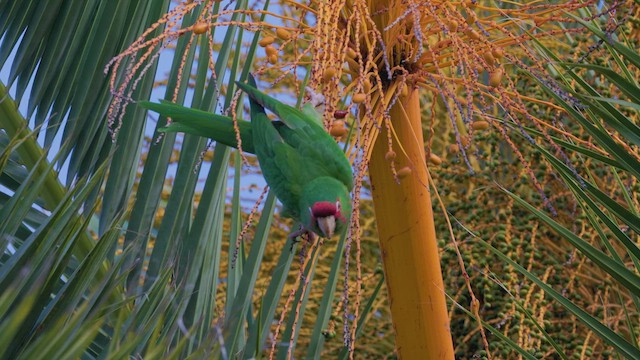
point(90, 271)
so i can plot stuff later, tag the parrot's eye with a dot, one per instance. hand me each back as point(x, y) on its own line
point(338, 207)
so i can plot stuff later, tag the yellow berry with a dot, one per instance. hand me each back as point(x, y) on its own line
point(404, 172)
point(390, 155)
point(359, 98)
point(328, 74)
point(273, 59)
point(283, 34)
point(465, 140)
point(498, 53)
point(496, 77)
point(435, 159)
point(488, 57)
point(270, 50)
point(480, 125)
point(453, 25)
point(200, 28)
point(338, 129)
point(266, 41)
point(472, 34)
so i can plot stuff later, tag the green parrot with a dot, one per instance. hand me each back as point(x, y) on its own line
point(301, 163)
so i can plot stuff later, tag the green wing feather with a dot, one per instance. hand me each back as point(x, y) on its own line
point(197, 122)
point(279, 162)
point(319, 153)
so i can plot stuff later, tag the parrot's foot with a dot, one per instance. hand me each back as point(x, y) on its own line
point(294, 236)
point(298, 233)
point(301, 231)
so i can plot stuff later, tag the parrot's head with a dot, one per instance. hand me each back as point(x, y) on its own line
point(325, 206)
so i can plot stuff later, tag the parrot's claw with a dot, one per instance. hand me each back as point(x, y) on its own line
point(301, 231)
point(294, 236)
point(311, 236)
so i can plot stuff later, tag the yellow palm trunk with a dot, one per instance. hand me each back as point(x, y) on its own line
point(408, 241)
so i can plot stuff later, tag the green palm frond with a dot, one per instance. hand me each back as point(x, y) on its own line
point(60, 45)
point(611, 122)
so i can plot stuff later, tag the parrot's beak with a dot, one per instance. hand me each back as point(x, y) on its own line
point(327, 225)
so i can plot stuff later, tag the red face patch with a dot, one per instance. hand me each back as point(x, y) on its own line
point(324, 209)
